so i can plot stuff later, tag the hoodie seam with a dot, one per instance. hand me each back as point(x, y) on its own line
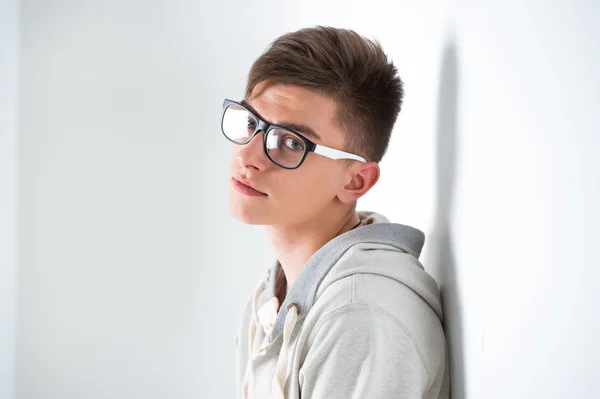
point(361, 306)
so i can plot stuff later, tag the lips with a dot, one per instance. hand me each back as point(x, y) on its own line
point(249, 184)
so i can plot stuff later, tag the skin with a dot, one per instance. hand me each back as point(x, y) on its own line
point(303, 208)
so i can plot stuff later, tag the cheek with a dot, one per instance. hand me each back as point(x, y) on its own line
point(312, 187)
point(232, 161)
point(235, 149)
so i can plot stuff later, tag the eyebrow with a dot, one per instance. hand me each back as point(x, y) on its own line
point(293, 126)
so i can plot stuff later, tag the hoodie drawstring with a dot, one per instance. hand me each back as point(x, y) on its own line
point(279, 378)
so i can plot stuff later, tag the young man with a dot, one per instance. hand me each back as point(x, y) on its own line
point(346, 310)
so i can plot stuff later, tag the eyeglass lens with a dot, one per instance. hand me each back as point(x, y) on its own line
point(283, 146)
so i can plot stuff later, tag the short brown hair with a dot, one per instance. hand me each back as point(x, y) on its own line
point(350, 69)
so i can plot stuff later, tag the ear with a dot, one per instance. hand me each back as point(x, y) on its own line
point(360, 181)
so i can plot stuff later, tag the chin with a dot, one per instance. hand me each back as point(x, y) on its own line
point(246, 212)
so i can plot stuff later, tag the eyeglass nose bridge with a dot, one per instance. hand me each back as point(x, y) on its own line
point(262, 126)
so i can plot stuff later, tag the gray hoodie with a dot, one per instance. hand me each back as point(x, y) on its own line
point(362, 320)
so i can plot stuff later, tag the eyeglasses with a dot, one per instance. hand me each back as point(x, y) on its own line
point(284, 147)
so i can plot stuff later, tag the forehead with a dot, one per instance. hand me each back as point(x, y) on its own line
point(293, 105)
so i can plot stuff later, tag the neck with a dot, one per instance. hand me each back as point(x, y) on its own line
point(295, 244)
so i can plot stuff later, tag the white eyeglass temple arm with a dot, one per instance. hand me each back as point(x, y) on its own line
point(336, 154)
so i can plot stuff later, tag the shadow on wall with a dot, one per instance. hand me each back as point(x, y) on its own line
point(442, 265)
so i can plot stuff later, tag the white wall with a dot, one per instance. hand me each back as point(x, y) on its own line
point(524, 196)
point(132, 275)
point(9, 50)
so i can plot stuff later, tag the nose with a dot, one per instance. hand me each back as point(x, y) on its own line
point(252, 153)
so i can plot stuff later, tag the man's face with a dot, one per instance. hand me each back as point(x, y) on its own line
point(290, 196)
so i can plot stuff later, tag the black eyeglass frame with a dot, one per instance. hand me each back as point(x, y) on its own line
point(265, 127)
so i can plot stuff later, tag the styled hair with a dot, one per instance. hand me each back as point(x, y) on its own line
point(346, 67)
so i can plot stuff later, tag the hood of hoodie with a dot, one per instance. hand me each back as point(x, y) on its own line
point(375, 229)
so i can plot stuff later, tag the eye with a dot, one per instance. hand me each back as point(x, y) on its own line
point(293, 143)
point(251, 123)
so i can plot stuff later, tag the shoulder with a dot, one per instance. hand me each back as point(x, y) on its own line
point(383, 310)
